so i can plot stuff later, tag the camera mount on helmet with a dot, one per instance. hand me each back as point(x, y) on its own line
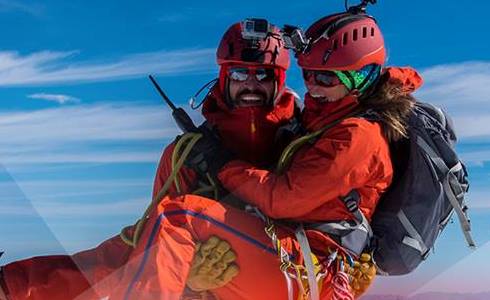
point(256, 29)
point(294, 38)
point(360, 8)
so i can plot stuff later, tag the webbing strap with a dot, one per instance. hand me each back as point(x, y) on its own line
point(448, 178)
point(463, 220)
point(436, 158)
point(310, 269)
point(413, 243)
point(289, 285)
point(351, 202)
point(413, 234)
point(340, 228)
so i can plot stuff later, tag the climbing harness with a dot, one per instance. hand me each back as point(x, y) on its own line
point(308, 272)
point(309, 277)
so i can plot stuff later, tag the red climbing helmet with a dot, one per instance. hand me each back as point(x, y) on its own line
point(344, 41)
point(240, 45)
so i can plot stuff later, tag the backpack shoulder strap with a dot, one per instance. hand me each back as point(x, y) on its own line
point(447, 181)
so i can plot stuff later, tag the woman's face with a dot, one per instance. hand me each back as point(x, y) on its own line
point(322, 88)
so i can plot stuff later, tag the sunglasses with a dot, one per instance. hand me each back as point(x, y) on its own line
point(323, 78)
point(261, 74)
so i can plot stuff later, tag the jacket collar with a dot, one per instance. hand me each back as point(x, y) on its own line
point(316, 115)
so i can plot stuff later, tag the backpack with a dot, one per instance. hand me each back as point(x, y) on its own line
point(429, 185)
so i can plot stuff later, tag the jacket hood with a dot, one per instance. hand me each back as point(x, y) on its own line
point(405, 80)
point(249, 132)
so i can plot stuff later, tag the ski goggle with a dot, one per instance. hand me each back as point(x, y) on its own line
point(242, 73)
point(322, 78)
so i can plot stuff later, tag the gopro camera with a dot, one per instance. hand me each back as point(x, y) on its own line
point(294, 38)
point(255, 29)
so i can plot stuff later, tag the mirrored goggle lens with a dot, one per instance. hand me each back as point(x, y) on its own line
point(264, 74)
point(238, 74)
point(323, 78)
point(241, 74)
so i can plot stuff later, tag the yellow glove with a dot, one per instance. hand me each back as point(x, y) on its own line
point(212, 266)
point(363, 274)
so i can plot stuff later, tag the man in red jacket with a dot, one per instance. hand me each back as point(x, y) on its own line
point(245, 108)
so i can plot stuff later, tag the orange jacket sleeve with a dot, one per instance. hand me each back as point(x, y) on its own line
point(348, 156)
point(186, 176)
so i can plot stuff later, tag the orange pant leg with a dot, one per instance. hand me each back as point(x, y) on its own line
point(62, 277)
point(159, 266)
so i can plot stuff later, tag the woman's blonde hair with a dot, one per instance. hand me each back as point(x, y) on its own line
point(393, 104)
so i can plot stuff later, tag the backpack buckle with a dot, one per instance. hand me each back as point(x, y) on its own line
point(351, 201)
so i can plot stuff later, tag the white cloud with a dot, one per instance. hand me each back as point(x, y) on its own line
point(86, 133)
point(63, 209)
point(463, 89)
point(51, 67)
point(61, 197)
point(478, 197)
point(476, 157)
point(78, 133)
point(58, 98)
point(11, 5)
point(51, 189)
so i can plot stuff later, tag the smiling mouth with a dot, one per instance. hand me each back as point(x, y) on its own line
point(246, 100)
point(319, 98)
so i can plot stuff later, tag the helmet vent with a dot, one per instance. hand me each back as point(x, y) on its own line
point(372, 31)
point(335, 44)
point(354, 35)
point(345, 38)
point(364, 32)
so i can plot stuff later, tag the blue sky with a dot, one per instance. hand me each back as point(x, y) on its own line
point(81, 128)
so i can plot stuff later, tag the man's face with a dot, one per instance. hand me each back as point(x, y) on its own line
point(324, 86)
point(251, 86)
